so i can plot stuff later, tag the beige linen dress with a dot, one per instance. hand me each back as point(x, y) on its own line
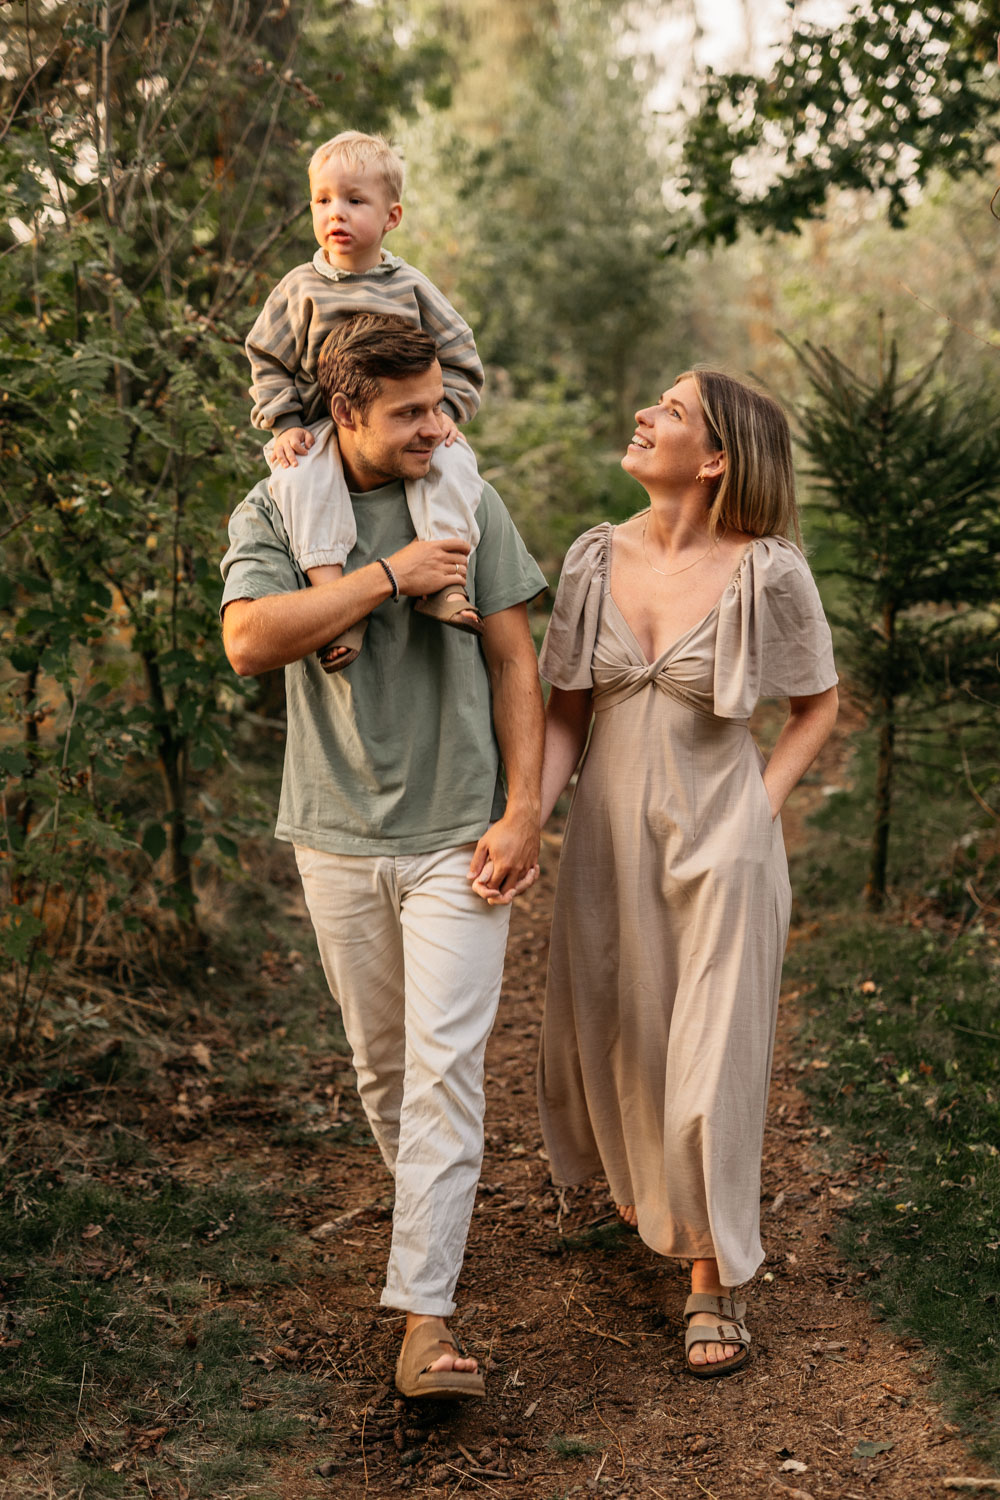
point(672, 903)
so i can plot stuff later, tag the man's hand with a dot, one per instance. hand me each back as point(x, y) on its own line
point(505, 861)
point(290, 442)
point(424, 567)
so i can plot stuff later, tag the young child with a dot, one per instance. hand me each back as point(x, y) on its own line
point(355, 184)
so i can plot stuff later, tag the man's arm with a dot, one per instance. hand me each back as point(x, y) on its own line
point(509, 847)
point(261, 634)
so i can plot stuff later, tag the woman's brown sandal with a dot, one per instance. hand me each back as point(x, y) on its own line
point(730, 1329)
point(421, 1348)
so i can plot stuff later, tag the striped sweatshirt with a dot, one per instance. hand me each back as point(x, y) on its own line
point(283, 345)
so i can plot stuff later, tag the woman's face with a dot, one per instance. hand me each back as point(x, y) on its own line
point(671, 444)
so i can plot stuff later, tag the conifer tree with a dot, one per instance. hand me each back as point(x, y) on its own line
point(910, 471)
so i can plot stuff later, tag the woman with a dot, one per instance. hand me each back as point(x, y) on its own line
point(673, 900)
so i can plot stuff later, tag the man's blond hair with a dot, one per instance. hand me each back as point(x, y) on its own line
point(358, 150)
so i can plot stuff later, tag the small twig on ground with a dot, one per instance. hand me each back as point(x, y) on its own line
point(600, 1333)
point(702, 1488)
point(970, 1483)
point(466, 1475)
point(614, 1434)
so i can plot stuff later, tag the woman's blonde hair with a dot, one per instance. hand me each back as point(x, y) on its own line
point(756, 493)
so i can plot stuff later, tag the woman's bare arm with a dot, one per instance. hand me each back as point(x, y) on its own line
point(805, 732)
point(567, 720)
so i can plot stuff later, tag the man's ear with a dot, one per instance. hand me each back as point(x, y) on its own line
point(343, 412)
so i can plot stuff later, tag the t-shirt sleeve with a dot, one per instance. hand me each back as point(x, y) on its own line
point(773, 639)
point(504, 573)
point(258, 562)
point(566, 659)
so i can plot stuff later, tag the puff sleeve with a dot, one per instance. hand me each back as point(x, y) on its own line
point(567, 652)
point(773, 640)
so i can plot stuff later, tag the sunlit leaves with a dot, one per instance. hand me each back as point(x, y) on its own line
point(876, 103)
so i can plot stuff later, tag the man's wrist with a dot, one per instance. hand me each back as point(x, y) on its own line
point(519, 806)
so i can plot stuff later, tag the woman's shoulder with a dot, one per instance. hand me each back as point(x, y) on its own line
point(588, 555)
point(775, 558)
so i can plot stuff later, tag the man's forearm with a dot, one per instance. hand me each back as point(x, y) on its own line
point(519, 722)
point(261, 634)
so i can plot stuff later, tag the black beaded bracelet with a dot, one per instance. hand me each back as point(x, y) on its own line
point(391, 577)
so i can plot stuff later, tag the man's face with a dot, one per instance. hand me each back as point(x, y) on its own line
point(398, 436)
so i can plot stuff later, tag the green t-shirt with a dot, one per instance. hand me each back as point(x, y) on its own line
point(396, 753)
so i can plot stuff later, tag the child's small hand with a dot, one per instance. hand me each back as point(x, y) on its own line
point(293, 440)
point(451, 431)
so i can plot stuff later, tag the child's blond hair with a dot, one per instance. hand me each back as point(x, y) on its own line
point(359, 150)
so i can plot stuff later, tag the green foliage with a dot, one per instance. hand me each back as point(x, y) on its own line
point(905, 1027)
point(108, 1306)
point(909, 473)
point(876, 103)
point(147, 181)
point(565, 1446)
point(558, 212)
point(546, 453)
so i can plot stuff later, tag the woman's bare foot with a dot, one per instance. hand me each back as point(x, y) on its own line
point(627, 1214)
point(705, 1279)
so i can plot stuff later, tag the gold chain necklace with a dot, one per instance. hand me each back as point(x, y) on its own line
point(676, 571)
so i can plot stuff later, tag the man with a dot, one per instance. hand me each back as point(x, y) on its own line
point(391, 794)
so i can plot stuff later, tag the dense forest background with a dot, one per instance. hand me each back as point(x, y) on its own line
point(610, 191)
point(605, 211)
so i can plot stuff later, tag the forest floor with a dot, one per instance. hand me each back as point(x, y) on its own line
point(577, 1323)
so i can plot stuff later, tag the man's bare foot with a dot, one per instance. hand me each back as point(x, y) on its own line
point(431, 1364)
point(446, 1360)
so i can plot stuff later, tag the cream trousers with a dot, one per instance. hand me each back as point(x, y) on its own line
point(414, 958)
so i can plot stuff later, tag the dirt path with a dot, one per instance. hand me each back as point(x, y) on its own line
point(578, 1324)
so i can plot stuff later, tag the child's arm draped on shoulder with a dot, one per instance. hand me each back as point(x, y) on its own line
point(461, 367)
point(274, 348)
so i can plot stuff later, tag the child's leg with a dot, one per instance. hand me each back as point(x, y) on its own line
point(445, 501)
point(444, 504)
point(316, 509)
point(314, 502)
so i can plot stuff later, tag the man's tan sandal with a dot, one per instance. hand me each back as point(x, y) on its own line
point(447, 605)
point(420, 1349)
point(730, 1329)
point(351, 639)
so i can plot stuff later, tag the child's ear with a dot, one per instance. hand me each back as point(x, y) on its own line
point(393, 217)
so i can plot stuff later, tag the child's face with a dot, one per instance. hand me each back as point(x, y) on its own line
point(352, 212)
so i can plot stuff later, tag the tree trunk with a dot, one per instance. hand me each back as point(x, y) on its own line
point(875, 886)
point(171, 755)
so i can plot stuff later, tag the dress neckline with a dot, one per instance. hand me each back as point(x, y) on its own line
point(698, 624)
